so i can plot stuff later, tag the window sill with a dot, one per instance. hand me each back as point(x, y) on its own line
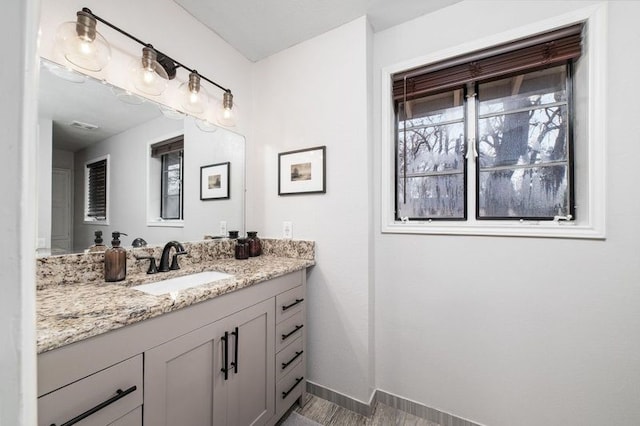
point(502, 229)
point(166, 223)
point(96, 222)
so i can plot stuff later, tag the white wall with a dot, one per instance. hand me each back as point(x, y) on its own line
point(62, 159)
point(45, 161)
point(517, 331)
point(129, 153)
point(18, 23)
point(315, 94)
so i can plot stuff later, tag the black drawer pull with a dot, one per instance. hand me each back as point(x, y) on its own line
point(286, 394)
point(119, 394)
point(285, 307)
point(288, 363)
point(225, 355)
point(235, 333)
point(286, 336)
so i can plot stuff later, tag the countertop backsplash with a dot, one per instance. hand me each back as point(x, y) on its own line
point(89, 267)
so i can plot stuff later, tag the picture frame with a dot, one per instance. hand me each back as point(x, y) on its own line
point(302, 171)
point(215, 181)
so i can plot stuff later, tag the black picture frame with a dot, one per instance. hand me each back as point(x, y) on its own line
point(303, 171)
point(215, 181)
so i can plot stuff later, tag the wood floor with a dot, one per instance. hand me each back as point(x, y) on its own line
point(327, 413)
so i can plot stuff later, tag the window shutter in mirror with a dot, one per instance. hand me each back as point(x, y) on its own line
point(97, 190)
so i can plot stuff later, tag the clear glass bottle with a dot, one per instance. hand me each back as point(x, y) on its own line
point(255, 246)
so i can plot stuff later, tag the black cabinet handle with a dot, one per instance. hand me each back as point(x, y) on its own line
point(234, 364)
point(288, 363)
point(225, 353)
point(286, 336)
point(119, 394)
point(286, 394)
point(285, 307)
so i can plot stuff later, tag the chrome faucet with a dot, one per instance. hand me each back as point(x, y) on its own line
point(164, 260)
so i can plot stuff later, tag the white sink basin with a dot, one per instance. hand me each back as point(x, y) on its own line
point(173, 285)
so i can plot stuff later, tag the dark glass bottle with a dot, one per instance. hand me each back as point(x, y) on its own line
point(233, 235)
point(115, 260)
point(242, 249)
point(255, 246)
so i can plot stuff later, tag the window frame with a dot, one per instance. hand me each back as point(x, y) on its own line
point(91, 219)
point(590, 221)
point(154, 183)
point(163, 195)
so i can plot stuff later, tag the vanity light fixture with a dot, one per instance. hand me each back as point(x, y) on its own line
point(81, 44)
point(193, 98)
point(84, 47)
point(148, 75)
point(226, 118)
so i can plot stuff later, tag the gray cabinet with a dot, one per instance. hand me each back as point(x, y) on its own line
point(109, 397)
point(290, 363)
point(178, 360)
point(219, 374)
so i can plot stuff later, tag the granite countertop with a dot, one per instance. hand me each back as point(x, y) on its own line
point(73, 312)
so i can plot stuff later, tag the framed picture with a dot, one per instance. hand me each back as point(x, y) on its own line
point(214, 181)
point(302, 171)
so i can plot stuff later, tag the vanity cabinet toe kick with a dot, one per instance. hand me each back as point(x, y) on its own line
point(123, 377)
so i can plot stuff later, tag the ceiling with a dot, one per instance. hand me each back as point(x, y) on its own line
point(87, 102)
point(260, 28)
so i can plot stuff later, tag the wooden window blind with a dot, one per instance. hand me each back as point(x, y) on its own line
point(166, 147)
point(97, 189)
point(538, 51)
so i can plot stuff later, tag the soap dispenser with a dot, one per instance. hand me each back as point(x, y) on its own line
point(115, 260)
point(97, 244)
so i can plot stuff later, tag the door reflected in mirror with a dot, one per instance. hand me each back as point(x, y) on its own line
point(149, 186)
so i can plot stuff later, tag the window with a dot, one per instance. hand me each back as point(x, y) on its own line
point(96, 190)
point(482, 177)
point(171, 193)
point(515, 100)
point(168, 156)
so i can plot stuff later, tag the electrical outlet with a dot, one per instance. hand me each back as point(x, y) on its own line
point(223, 228)
point(287, 230)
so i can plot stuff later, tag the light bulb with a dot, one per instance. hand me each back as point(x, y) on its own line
point(81, 44)
point(193, 98)
point(226, 117)
point(147, 75)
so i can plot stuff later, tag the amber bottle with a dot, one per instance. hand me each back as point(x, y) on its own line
point(115, 260)
point(255, 246)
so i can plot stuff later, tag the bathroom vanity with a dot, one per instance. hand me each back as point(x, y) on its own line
point(227, 353)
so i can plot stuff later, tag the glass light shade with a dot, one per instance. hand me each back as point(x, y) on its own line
point(171, 113)
point(126, 96)
point(64, 72)
point(147, 74)
point(206, 126)
point(193, 98)
point(82, 45)
point(227, 117)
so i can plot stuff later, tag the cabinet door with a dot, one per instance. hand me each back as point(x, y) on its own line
point(251, 388)
point(181, 379)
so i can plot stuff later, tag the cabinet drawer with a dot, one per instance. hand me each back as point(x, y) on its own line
point(289, 357)
point(90, 393)
point(289, 303)
point(290, 388)
point(289, 330)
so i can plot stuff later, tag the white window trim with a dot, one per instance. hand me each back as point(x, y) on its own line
point(153, 216)
point(592, 227)
point(89, 220)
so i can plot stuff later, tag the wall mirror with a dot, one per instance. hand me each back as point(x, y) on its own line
point(152, 190)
